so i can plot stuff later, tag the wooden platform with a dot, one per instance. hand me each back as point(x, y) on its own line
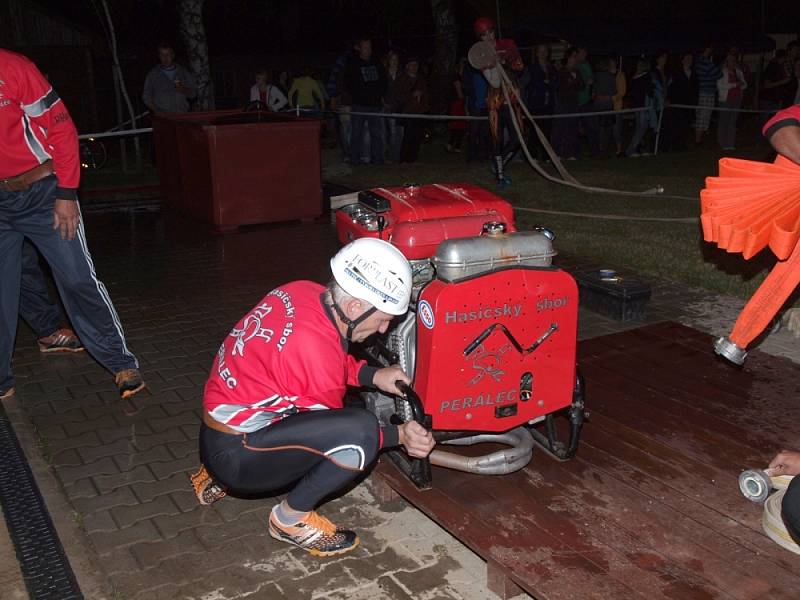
point(650, 507)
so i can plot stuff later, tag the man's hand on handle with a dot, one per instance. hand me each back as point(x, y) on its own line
point(786, 462)
point(66, 218)
point(417, 440)
point(385, 379)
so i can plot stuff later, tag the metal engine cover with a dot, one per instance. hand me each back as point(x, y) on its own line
point(475, 367)
point(459, 258)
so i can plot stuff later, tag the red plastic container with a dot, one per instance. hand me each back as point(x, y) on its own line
point(231, 168)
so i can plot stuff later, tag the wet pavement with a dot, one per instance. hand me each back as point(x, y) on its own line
point(117, 485)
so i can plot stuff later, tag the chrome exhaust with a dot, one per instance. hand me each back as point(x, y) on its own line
point(500, 462)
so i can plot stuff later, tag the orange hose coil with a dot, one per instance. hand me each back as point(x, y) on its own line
point(749, 206)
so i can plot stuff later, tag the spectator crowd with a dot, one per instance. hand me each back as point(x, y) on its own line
point(360, 86)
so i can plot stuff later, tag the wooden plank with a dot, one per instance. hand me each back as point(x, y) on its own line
point(547, 569)
point(641, 410)
point(628, 556)
point(745, 419)
point(713, 502)
point(650, 508)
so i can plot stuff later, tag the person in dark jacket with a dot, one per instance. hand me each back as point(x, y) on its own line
point(365, 81)
point(410, 95)
point(542, 92)
point(566, 142)
point(641, 94)
point(683, 90)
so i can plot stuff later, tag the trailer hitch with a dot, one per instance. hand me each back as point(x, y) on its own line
point(577, 414)
point(418, 470)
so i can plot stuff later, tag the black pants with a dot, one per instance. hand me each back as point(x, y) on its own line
point(29, 214)
point(790, 509)
point(36, 307)
point(478, 148)
point(413, 132)
point(321, 450)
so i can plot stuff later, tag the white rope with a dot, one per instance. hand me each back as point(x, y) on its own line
point(505, 82)
point(608, 217)
point(392, 115)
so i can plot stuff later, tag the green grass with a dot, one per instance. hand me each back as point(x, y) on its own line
point(670, 250)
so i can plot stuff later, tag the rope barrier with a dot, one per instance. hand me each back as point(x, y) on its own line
point(393, 115)
point(608, 217)
point(107, 134)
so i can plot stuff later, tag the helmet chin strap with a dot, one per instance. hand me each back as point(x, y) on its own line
point(351, 323)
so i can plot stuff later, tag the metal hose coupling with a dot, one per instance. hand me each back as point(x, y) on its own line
point(755, 485)
point(500, 462)
point(730, 351)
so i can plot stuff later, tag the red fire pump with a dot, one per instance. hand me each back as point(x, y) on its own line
point(489, 340)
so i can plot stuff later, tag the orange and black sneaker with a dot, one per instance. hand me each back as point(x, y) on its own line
point(129, 382)
point(315, 534)
point(206, 489)
point(63, 340)
point(7, 394)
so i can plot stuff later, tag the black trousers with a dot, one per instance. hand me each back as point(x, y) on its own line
point(36, 306)
point(29, 214)
point(413, 132)
point(322, 451)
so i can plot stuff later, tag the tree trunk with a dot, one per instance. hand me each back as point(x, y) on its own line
point(444, 57)
point(194, 38)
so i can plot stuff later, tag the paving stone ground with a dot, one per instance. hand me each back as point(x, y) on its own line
point(122, 480)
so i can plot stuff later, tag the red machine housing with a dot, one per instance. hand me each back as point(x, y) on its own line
point(490, 340)
point(497, 385)
point(417, 219)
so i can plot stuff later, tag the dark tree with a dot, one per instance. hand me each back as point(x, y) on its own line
point(194, 38)
point(444, 56)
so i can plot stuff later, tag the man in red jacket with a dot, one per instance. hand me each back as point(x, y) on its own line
point(39, 175)
point(273, 410)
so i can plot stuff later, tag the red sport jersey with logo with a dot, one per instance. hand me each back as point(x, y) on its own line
point(35, 126)
point(285, 356)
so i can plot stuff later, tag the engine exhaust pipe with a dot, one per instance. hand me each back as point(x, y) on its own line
point(500, 462)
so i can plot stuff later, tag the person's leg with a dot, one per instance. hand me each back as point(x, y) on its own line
point(618, 133)
point(790, 509)
point(703, 116)
point(591, 127)
point(356, 136)
point(417, 134)
point(572, 141)
point(36, 307)
point(322, 451)
point(638, 134)
point(734, 117)
point(344, 121)
point(10, 270)
point(722, 126)
point(376, 136)
point(85, 298)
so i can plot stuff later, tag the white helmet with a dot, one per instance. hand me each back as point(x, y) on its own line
point(374, 271)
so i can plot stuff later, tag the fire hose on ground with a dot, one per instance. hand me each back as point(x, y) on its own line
point(757, 485)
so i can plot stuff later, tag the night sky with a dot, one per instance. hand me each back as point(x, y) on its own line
point(247, 26)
